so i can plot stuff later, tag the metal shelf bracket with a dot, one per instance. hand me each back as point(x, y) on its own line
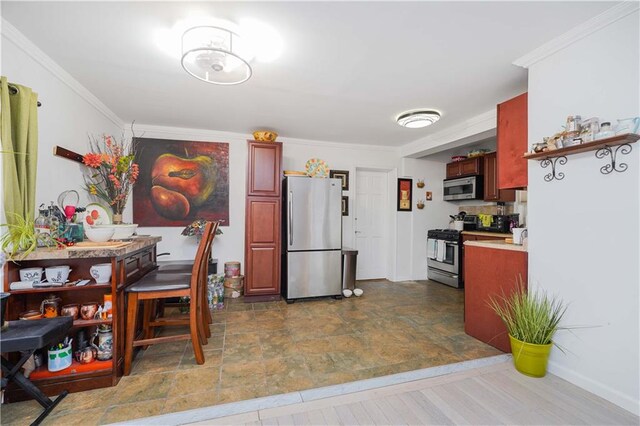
point(553, 174)
point(613, 166)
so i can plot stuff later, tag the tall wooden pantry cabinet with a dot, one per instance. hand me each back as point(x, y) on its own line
point(263, 220)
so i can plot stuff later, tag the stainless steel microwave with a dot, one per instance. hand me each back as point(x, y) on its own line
point(467, 188)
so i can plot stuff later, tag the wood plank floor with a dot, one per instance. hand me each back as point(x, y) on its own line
point(489, 396)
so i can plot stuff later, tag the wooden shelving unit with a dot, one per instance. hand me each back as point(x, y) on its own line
point(128, 265)
point(76, 369)
point(588, 146)
point(90, 323)
point(608, 148)
point(57, 289)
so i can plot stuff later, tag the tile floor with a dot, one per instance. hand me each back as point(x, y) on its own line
point(264, 349)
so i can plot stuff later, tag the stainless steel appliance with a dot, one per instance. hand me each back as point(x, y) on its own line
point(312, 238)
point(467, 188)
point(444, 257)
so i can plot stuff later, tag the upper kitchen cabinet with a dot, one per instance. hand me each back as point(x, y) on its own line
point(491, 191)
point(264, 169)
point(469, 167)
point(512, 143)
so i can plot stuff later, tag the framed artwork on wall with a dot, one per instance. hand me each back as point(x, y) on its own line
point(341, 174)
point(345, 205)
point(404, 194)
point(181, 181)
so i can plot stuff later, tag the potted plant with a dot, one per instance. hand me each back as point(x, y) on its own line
point(531, 318)
point(21, 238)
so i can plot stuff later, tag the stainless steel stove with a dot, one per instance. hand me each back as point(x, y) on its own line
point(444, 257)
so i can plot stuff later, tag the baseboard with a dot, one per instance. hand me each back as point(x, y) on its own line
point(595, 387)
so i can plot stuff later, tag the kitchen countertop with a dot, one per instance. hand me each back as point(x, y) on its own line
point(52, 253)
point(487, 234)
point(496, 244)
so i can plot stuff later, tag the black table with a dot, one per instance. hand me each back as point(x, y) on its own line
point(28, 336)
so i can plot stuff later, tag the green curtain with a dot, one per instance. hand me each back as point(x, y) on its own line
point(19, 133)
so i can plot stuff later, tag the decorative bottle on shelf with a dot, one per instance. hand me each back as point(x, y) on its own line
point(41, 225)
point(54, 223)
point(605, 131)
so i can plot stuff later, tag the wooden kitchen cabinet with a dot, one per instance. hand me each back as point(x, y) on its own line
point(512, 143)
point(469, 167)
point(491, 190)
point(263, 216)
point(490, 272)
point(264, 169)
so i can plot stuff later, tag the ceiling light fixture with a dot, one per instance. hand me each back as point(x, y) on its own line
point(418, 119)
point(216, 55)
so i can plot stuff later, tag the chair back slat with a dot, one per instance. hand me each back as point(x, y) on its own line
point(198, 273)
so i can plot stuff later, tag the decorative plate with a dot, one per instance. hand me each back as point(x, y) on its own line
point(97, 214)
point(317, 168)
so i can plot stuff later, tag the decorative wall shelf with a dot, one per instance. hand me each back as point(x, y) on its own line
point(609, 147)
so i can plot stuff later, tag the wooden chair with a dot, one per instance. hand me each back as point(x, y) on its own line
point(159, 286)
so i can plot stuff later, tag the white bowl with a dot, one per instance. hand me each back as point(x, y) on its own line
point(346, 292)
point(98, 235)
point(31, 274)
point(358, 292)
point(121, 231)
point(57, 274)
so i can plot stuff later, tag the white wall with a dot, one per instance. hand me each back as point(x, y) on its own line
point(65, 117)
point(296, 152)
point(412, 259)
point(584, 230)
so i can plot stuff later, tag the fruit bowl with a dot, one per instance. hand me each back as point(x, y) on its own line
point(99, 234)
point(120, 231)
point(265, 136)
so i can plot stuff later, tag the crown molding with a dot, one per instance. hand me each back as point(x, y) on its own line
point(151, 130)
point(27, 46)
point(594, 24)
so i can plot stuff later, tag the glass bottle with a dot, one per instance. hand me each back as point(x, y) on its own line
point(605, 130)
point(54, 223)
point(41, 225)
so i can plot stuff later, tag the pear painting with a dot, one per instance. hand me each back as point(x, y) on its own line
point(181, 181)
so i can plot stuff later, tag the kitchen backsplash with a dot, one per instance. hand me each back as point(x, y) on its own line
point(487, 209)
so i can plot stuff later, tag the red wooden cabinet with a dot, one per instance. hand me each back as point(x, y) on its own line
point(263, 217)
point(264, 169)
point(512, 136)
point(469, 167)
point(488, 272)
point(491, 191)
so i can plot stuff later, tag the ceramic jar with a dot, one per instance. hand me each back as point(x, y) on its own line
point(50, 307)
point(104, 334)
point(88, 310)
point(71, 310)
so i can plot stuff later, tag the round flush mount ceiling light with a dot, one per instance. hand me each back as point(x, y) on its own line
point(216, 55)
point(418, 119)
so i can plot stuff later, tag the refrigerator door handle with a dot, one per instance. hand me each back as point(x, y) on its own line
point(290, 218)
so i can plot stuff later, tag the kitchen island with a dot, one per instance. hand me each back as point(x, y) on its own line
point(129, 261)
point(491, 269)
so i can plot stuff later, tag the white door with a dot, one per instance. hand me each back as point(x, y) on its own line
point(371, 224)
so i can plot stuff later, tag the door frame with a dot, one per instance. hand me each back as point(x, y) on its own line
point(390, 216)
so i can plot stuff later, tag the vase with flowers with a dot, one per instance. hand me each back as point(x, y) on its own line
point(113, 174)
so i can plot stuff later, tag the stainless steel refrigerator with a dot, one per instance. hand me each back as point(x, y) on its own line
point(312, 238)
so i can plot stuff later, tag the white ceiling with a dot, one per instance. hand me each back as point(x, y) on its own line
point(346, 71)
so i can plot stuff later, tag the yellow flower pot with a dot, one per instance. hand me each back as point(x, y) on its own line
point(530, 359)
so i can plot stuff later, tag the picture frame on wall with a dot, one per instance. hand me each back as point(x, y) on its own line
point(345, 205)
point(404, 194)
point(341, 174)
